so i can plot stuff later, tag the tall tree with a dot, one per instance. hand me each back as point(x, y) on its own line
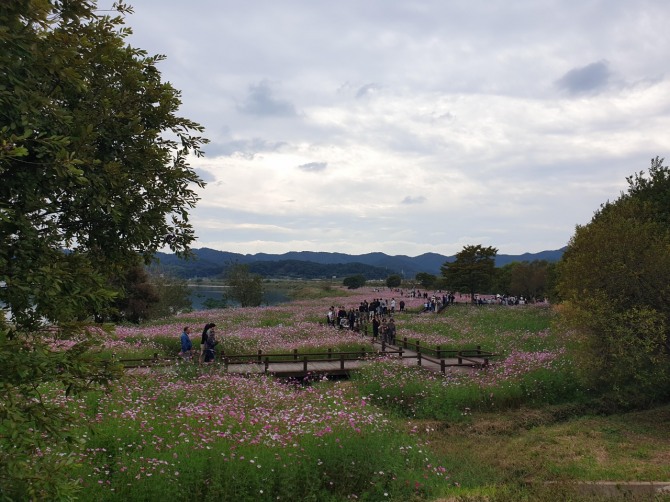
point(426, 280)
point(393, 281)
point(93, 160)
point(615, 281)
point(244, 287)
point(473, 269)
point(174, 295)
point(354, 281)
point(529, 279)
point(136, 296)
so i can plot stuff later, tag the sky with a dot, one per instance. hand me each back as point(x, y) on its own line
point(416, 126)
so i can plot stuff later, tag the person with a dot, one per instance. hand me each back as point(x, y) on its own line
point(330, 316)
point(375, 328)
point(341, 317)
point(351, 317)
point(210, 343)
point(390, 332)
point(186, 345)
point(203, 340)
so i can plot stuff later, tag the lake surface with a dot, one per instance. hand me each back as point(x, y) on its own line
point(200, 294)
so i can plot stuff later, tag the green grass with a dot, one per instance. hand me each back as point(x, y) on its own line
point(518, 451)
point(494, 327)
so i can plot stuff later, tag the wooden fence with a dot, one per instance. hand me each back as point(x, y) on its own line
point(434, 357)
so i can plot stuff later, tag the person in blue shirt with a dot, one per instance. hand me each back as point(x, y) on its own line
point(186, 345)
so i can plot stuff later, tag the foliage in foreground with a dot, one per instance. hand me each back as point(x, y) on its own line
point(615, 280)
point(32, 416)
point(93, 159)
point(201, 435)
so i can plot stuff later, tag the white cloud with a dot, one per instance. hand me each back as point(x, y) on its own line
point(412, 127)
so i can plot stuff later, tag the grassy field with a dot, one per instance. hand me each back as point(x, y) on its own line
point(523, 429)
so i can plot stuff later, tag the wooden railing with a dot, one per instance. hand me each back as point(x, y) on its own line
point(439, 354)
point(405, 350)
point(296, 357)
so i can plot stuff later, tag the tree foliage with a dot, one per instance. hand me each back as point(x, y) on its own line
point(83, 163)
point(135, 296)
point(245, 288)
point(393, 281)
point(174, 296)
point(312, 270)
point(426, 280)
point(532, 280)
point(615, 280)
point(472, 271)
point(354, 281)
point(93, 160)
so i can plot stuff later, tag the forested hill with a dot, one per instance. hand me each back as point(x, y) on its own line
point(316, 265)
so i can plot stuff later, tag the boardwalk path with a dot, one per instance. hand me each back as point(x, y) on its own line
point(336, 366)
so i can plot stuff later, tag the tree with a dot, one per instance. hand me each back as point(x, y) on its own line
point(528, 279)
point(472, 271)
point(614, 279)
point(426, 280)
point(93, 160)
point(354, 281)
point(215, 303)
point(393, 281)
point(174, 296)
point(502, 279)
point(136, 296)
point(245, 288)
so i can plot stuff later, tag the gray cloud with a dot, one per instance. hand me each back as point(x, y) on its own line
point(260, 102)
point(590, 78)
point(314, 167)
point(367, 90)
point(414, 200)
point(205, 175)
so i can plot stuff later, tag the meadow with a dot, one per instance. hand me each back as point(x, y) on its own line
point(392, 432)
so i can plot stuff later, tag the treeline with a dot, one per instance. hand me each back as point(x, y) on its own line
point(472, 274)
point(282, 269)
point(309, 270)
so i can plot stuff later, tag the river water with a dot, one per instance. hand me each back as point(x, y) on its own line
point(200, 294)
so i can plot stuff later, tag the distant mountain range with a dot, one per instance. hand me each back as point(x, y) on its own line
point(209, 263)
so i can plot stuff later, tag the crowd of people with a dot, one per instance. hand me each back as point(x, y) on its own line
point(378, 313)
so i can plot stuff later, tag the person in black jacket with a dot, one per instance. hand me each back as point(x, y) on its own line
point(210, 343)
point(203, 340)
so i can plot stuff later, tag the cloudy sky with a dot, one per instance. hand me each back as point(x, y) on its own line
point(412, 126)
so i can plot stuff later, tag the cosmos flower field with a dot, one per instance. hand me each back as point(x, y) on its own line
point(197, 433)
